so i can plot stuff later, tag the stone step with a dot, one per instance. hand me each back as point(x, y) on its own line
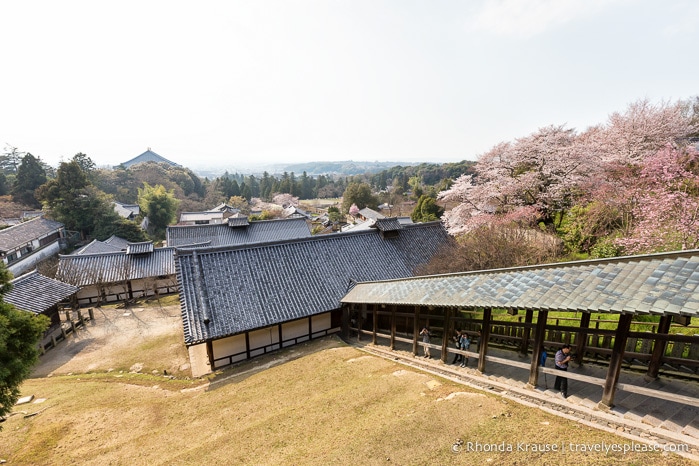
point(692, 429)
point(679, 420)
point(659, 410)
point(585, 390)
point(619, 396)
point(589, 403)
point(635, 406)
point(618, 411)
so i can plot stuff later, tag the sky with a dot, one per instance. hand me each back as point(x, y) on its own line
point(234, 84)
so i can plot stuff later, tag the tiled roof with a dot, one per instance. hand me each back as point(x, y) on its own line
point(127, 210)
point(225, 207)
point(140, 248)
point(85, 270)
point(18, 235)
point(240, 233)
point(366, 212)
point(121, 243)
point(96, 247)
point(241, 288)
point(238, 221)
point(651, 284)
point(148, 156)
point(36, 293)
point(293, 211)
point(388, 224)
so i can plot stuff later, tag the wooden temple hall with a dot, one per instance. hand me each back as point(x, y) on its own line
point(537, 308)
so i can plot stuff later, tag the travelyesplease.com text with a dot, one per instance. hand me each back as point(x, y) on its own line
point(603, 447)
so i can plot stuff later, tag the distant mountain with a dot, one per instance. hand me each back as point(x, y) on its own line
point(343, 168)
point(348, 167)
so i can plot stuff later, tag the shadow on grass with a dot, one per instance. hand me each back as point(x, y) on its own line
point(240, 371)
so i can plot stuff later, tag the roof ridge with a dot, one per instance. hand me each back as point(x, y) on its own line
point(313, 238)
point(601, 261)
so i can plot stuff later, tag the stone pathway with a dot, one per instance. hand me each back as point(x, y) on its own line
point(634, 416)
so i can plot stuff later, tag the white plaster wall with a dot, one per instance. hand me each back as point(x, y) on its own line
point(262, 337)
point(30, 262)
point(228, 346)
point(296, 329)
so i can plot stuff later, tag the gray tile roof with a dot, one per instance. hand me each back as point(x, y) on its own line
point(366, 212)
point(294, 212)
point(15, 236)
point(36, 293)
point(148, 156)
point(127, 210)
point(144, 247)
point(86, 270)
point(120, 243)
point(238, 221)
point(388, 224)
point(242, 288)
point(239, 233)
point(96, 247)
point(225, 207)
point(651, 284)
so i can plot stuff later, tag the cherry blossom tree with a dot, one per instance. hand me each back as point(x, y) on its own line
point(285, 200)
point(666, 216)
point(644, 129)
point(541, 177)
point(536, 178)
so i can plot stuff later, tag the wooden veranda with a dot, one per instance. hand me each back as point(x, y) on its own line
point(663, 285)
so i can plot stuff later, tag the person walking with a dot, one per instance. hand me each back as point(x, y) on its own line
point(561, 360)
point(426, 339)
point(457, 344)
point(465, 342)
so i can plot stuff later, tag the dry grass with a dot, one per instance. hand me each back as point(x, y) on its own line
point(318, 403)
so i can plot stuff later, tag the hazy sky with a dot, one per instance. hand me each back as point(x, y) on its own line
point(232, 83)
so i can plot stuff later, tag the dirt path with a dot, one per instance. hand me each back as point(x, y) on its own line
point(136, 339)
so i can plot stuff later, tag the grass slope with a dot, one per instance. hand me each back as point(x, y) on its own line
point(318, 403)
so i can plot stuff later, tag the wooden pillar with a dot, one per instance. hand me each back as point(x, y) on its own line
point(446, 334)
point(247, 345)
point(622, 332)
point(210, 354)
point(376, 323)
point(344, 331)
point(310, 327)
point(581, 339)
point(524, 344)
point(91, 313)
point(360, 321)
point(281, 334)
point(393, 327)
point(658, 348)
point(485, 336)
point(539, 338)
point(416, 329)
